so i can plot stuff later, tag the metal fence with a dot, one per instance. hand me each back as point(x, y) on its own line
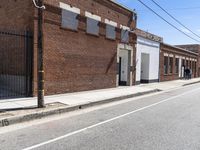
point(16, 58)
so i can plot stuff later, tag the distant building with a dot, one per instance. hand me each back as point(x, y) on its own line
point(174, 60)
point(194, 48)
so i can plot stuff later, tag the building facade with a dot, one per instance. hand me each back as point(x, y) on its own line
point(87, 44)
point(174, 60)
point(194, 48)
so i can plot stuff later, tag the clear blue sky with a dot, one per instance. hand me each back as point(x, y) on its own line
point(186, 11)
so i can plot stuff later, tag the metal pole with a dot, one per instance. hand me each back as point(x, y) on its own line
point(40, 57)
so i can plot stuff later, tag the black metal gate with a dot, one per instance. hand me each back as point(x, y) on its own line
point(16, 61)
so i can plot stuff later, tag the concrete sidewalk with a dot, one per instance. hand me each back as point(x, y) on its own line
point(86, 97)
point(23, 110)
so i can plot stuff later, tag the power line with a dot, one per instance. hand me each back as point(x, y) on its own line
point(175, 18)
point(168, 22)
point(180, 8)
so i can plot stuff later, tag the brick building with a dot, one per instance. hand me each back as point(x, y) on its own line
point(194, 48)
point(87, 44)
point(173, 61)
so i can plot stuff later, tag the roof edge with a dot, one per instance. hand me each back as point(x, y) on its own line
point(123, 6)
point(185, 50)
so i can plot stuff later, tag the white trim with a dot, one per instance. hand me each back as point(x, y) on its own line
point(124, 27)
point(92, 16)
point(112, 23)
point(69, 8)
point(125, 47)
point(171, 55)
point(166, 54)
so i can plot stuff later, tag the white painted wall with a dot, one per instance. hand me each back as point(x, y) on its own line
point(153, 49)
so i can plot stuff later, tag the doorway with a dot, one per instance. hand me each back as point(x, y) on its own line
point(124, 64)
point(145, 60)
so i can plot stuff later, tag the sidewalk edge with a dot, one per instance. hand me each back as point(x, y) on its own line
point(39, 115)
point(191, 83)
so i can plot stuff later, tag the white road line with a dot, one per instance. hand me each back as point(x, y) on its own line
point(106, 121)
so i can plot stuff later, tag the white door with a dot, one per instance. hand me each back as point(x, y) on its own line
point(144, 67)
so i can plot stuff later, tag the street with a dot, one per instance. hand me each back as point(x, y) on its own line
point(163, 121)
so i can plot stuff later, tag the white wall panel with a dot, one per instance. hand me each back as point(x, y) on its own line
point(153, 49)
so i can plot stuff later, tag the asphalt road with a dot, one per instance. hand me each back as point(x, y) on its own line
point(165, 121)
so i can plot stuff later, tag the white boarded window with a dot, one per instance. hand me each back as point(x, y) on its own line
point(92, 26)
point(110, 32)
point(69, 20)
point(125, 36)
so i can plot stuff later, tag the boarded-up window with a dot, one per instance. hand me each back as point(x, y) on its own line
point(92, 26)
point(166, 65)
point(110, 32)
point(125, 36)
point(69, 20)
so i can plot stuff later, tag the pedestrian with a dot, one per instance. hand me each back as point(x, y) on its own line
point(187, 73)
point(190, 73)
point(185, 77)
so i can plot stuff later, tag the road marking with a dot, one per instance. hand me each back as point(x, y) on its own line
point(106, 121)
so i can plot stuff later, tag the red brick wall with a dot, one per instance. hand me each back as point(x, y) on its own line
point(12, 53)
point(16, 14)
point(175, 51)
point(76, 61)
point(16, 17)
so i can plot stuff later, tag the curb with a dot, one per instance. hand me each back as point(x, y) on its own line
point(191, 83)
point(39, 115)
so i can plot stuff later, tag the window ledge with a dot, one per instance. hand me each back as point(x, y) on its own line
point(169, 74)
point(68, 29)
point(95, 35)
point(110, 39)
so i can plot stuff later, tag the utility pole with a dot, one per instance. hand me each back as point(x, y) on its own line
point(40, 55)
